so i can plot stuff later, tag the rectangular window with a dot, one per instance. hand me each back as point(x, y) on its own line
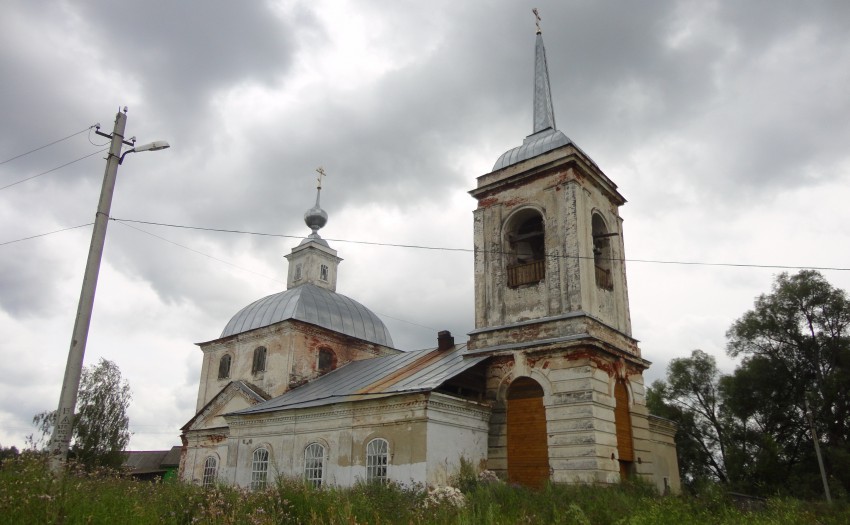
point(259, 363)
point(323, 273)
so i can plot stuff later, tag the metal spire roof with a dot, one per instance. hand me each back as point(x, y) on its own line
point(544, 137)
point(544, 114)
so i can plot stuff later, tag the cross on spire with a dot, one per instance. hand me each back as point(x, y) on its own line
point(321, 171)
point(538, 19)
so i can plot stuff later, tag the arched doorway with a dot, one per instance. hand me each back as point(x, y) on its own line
point(528, 448)
point(623, 423)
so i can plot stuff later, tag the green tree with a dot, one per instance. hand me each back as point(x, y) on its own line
point(795, 344)
point(691, 397)
point(101, 429)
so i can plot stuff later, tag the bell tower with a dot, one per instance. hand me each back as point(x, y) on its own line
point(565, 374)
point(548, 242)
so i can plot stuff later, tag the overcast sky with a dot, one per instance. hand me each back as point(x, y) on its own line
point(725, 124)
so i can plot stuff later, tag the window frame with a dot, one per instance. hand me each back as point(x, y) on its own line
point(260, 468)
point(314, 464)
point(331, 358)
point(258, 364)
point(224, 371)
point(210, 474)
point(377, 460)
point(324, 272)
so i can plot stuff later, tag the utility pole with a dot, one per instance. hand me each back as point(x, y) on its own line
point(817, 451)
point(62, 429)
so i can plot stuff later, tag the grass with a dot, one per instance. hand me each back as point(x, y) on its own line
point(30, 494)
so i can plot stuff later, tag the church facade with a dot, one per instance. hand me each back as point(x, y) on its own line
point(307, 384)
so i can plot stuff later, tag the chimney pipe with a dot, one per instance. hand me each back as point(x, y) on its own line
point(445, 340)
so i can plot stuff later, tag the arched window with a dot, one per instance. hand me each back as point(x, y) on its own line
point(602, 253)
point(210, 471)
point(314, 464)
point(327, 360)
point(377, 454)
point(526, 252)
point(259, 469)
point(259, 364)
point(224, 367)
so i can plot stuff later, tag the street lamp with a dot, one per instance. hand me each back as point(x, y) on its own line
point(61, 439)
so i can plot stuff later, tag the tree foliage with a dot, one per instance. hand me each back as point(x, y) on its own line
point(750, 427)
point(795, 345)
point(101, 428)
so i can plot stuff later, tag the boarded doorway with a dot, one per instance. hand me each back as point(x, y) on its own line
point(528, 450)
point(623, 423)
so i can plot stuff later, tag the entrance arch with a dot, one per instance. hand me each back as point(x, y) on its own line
point(527, 443)
point(623, 424)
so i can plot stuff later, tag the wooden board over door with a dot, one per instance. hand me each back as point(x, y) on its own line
point(528, 450)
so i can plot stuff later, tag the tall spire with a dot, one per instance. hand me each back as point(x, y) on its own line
point(545, 137)
point(544, 114)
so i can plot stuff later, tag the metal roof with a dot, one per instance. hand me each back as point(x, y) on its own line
point(315, 305)
point(403, 373)
point(532, 146)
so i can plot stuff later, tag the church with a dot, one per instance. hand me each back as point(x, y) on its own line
point(307, 383)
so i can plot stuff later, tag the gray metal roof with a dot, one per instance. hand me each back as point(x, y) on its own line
point(532, 146)
point(403, 373)
point(312, 304)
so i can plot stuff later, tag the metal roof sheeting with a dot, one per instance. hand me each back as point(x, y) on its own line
point(533, 146)
point(315, 305)
point(407, 372)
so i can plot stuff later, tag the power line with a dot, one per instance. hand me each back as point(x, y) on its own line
point(46, 145)
point(201, 253)
point(54, 169)
point(414, 246)
point(470, 250)
point(45, 234)
point(251, 271)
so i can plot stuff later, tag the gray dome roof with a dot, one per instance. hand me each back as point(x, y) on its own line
point(312, 304)
point(533, 146)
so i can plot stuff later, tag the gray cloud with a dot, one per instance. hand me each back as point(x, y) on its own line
point(725, 125)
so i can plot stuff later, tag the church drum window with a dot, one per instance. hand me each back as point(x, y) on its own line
point(377, 454)
point(210, 471)
point(224, 367)
point(323, 272)
point(327, 360)
point(526, 255)
point(259, 469)
point(297, 273)
point(259, 363)
point(314, 464)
